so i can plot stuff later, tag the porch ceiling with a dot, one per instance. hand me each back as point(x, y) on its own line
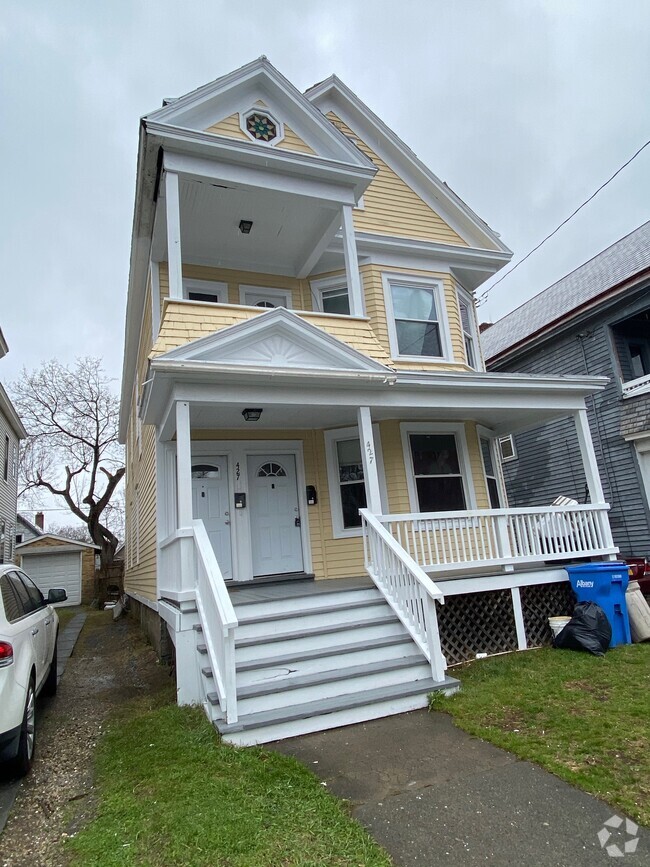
point(286, 227)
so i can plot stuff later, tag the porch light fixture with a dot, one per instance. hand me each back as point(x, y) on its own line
point(252, 414)
point(245, 226)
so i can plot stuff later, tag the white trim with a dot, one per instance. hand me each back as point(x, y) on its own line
point(283, 295)
point(390, 278)
point(205, 287)
point(154, 286)
point(58, 538)
point(355, 287)
point(142, 600)
point(174, 253)
point(237, 452)
point(456, 586)
point(462, 295)
point(324, 284)
point(513, 456)
point(262, 109)
point(458, 430)
point(495, 453)
point(333, 483)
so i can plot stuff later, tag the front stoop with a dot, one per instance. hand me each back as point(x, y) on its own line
point(310, 660)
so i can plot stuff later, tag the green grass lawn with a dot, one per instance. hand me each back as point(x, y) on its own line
point(586, 719)
point(169, 792)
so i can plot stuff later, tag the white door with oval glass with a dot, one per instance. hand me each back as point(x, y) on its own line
point(276, 537)
point(211, 503)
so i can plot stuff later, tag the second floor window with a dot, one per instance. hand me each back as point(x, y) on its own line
point(417, 318)
point(466, 309)
point(330, 295)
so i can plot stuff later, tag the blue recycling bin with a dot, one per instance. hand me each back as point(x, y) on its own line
point(605, 584)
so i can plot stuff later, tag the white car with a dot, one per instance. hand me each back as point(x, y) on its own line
point(28, 635)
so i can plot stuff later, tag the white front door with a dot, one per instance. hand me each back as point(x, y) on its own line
point(276, 538)
point(211, 503)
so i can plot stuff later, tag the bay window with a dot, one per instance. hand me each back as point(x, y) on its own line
point(417, 319)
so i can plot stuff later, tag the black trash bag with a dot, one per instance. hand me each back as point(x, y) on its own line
point(589, 629)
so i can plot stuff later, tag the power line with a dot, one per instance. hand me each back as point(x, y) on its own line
point(483, 298)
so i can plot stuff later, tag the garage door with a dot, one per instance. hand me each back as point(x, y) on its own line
point(56, 570)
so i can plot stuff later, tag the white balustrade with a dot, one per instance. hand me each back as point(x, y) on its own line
point(448, 541)
point(406, 587)
point(218, 620)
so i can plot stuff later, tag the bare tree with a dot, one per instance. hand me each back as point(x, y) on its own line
point(72, 451)
point(76, 532)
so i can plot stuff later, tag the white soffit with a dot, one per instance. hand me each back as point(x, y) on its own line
point(278, 340)
point(333, 95)
point(242, 90)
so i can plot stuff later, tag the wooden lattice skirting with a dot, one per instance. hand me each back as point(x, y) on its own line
point(484, 622)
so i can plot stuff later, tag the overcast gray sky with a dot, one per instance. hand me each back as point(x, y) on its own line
point(523, 106)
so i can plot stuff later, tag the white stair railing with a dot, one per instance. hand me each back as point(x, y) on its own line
point(406, 587)
point(218, 620)
point(447, 541)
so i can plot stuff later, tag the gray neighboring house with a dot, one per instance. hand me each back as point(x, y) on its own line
point(594, 321)
point(26, 530)
point(11, 432)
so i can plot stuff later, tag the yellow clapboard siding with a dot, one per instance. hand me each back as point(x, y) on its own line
point(231, 128)
point(391, 207)
point(183, 321)
point(376, 309)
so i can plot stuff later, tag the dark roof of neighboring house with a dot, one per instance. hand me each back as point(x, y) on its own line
point(616, 264)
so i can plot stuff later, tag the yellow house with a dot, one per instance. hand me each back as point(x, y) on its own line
point(316, 517)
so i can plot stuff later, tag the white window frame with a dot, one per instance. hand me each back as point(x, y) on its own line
point(513, 456)
point(332, 437)
point(435, 284)
point(283, 296)
point(261, 109)
point(495, 452)
point(325, 284)
point(465, 297)
point(458, 430)
point(205, 287)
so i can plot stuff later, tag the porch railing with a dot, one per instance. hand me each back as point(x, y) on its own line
point(447, 541)
point(218, 620)
point(406, 587)
point(641, 385)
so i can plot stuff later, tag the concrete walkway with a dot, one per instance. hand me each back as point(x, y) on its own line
point(67, 640)
point(431, 794)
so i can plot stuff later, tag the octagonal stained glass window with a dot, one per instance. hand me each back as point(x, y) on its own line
point(261, 126)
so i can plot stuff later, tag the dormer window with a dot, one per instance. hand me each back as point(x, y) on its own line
point(261, 126)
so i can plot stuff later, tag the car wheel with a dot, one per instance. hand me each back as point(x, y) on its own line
point(25, 755)
point(50, 685)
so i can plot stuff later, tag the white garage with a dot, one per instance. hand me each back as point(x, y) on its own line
point(52, 561)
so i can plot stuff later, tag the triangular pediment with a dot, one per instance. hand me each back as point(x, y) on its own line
point(221, 108)
point(277, 340)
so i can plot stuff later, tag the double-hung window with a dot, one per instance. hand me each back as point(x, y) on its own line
point(490, 470)
point(468, 324)
point(417, 322)
point(438, 468)
point(330, 295)
point(346, 478)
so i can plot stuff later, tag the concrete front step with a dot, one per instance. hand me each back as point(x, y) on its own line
point(322, 714)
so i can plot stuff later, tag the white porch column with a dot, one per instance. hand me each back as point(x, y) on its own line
point(173, 214)
point(355, 290)
point(592, 475)
point(183, 464)
point(369, 458)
